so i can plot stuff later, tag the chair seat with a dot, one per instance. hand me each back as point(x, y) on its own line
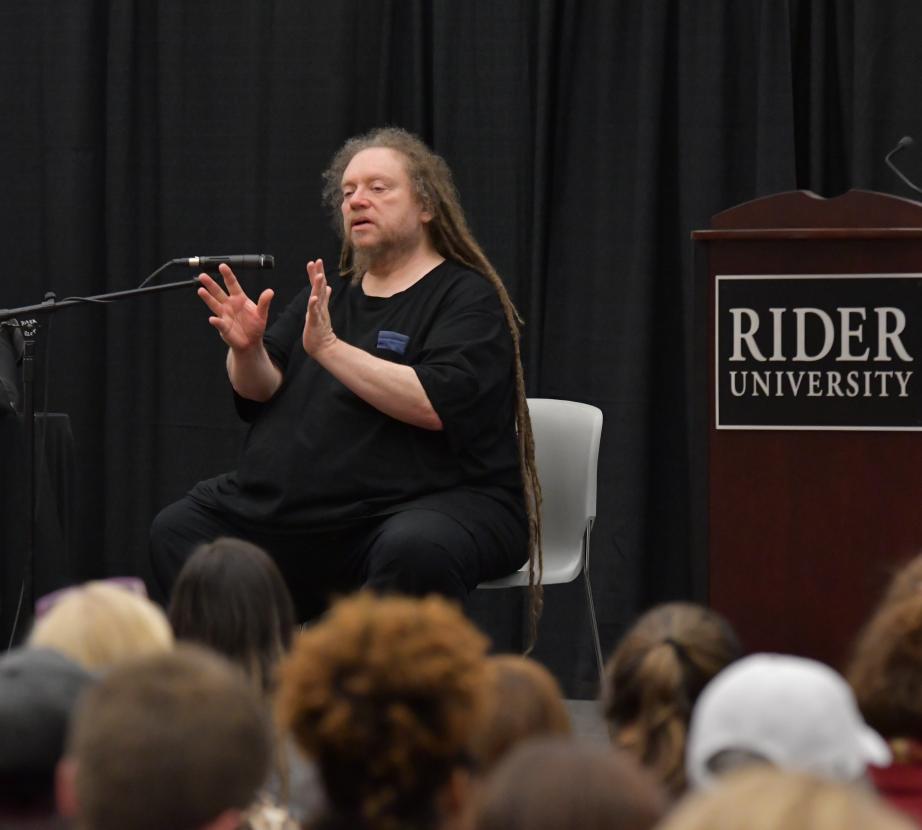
point(559, 566)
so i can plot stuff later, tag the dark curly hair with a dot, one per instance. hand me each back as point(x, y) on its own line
point(450, 235)
point(383, 694)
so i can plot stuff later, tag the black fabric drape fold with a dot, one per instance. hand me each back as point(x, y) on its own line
point(587, 139)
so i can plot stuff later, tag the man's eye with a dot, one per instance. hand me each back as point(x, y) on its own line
point(347, 193)
point(378, 188)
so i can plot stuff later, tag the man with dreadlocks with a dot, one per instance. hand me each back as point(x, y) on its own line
point(390, 444)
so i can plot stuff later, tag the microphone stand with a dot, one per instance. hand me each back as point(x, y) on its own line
point(29, 328)
point(905, 141)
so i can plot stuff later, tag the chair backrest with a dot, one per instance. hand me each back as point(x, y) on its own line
point(567, 436)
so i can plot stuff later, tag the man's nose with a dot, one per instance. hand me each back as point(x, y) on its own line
point(358, 197)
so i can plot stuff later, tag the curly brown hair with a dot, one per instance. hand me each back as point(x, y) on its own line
point(905, 582)
point(383, 694)
point(886, 669)
point(450, 235)
point(654, 677)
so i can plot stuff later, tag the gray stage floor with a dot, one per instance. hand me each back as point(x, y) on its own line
point(587, 720)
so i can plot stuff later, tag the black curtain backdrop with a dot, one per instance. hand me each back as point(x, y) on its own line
point(588, 138)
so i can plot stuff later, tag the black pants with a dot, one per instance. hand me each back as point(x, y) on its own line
point(414, 552)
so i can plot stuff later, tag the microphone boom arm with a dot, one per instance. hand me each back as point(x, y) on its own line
point(905, 141)
point(53, 304)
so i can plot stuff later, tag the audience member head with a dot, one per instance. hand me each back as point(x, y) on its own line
point(654, 678)
point(176, 740)
point(99, 624)
point(524, 701)
point(38, 690)
point(231, 597)
point(384, 694)
point(766, 798)
point(563, 784)
point(906, 582)
point(791, 712)
point(886, 670)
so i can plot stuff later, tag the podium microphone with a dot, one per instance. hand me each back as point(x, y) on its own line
point(905, 141)
point(236, 261)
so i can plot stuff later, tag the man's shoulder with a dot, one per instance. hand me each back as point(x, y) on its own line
point(463, 282)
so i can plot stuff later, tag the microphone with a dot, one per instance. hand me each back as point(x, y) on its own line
point(236, 261)
point(905, 141)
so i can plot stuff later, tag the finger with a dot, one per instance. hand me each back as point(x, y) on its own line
point(262, 304)
point(315, 270)
point(230, 279)
point(321, 307)
point(220, 324)
point(212, 287)
point(315, 313)
point(212, 302)
point(316, 280)
point(323, 297)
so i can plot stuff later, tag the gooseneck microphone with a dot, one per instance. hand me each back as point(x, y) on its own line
point(235, 261)
point(905, 141)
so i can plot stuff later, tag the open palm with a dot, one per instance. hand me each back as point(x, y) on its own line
point(240, 322)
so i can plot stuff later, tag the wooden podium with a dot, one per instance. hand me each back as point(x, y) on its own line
point(807, 310)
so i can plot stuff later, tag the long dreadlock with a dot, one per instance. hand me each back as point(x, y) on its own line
point(452, 238)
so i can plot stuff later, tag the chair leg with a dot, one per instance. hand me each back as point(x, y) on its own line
point(599, 662)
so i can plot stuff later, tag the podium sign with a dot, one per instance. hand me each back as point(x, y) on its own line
point(806, 373)
point(818, 351)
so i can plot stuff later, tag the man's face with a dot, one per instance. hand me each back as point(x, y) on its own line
point(381, 214)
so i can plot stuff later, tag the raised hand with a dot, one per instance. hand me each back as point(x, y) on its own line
point(240, 322)
point(318, 330)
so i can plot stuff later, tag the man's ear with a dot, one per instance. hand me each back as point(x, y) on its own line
point(65, 788)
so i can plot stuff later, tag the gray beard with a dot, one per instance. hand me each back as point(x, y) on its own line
point(385, 252)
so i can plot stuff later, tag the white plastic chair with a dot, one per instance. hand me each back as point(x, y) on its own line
point(567, 436)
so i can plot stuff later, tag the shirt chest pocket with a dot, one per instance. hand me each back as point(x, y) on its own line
point(392, 345)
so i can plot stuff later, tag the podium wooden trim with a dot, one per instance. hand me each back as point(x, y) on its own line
point(799, 531)
point(759, 234)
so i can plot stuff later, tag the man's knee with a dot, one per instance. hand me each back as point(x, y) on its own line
point(420, 557)
point(174, 534)
point(161, 527)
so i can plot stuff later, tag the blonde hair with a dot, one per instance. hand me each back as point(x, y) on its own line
point(99, 625)
point(450, 235)
point(766, 798)
point(524, 701)
point(654, 677)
